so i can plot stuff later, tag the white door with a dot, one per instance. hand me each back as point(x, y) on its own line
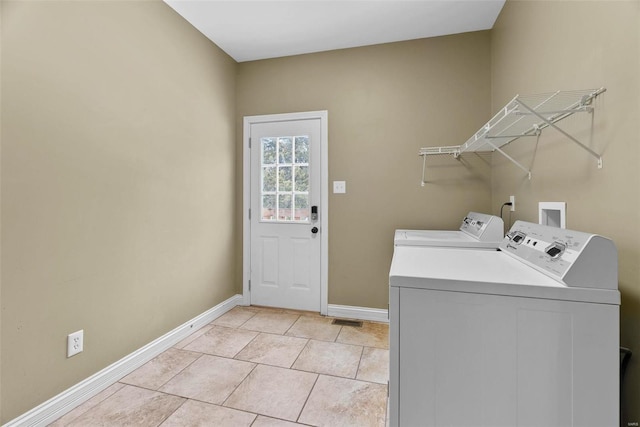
point(285, 236)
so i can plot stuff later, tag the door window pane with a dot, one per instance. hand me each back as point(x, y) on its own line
point(285, 183)
point(269, 179)
point(301, 211)
point(302, 149)
point(284, 207)
point(269, 149)
point(302, 178)
point(269, 207)
point(285, 146)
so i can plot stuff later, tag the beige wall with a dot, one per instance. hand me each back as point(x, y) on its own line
point(384, 103)
point(118, 163)
point(540, 46)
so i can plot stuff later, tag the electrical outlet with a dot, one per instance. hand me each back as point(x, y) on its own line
point(512, 199)
point(75, 343)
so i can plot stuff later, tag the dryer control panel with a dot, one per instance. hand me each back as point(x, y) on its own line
point(484, 227)
point(574, 258)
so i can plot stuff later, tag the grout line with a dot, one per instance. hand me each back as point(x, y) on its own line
point(239, 384)
point(169, 416)
point(298, 356)
point(183, 369)
point(245, 346)
point(359, 363)
point(253, 313)
point(291, 326)
point(192, 334)
point(338, 334)
point(308, 396)
point(90, 407)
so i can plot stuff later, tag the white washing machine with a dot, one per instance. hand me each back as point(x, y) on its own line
point(524, 336)
point(477, 231)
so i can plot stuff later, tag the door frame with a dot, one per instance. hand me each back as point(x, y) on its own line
point(324, 198)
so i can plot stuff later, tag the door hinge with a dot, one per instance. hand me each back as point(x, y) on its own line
point(249, 142)
point(249, 213)
point(249, 285)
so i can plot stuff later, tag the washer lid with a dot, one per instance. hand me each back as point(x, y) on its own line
point(441, 238)
point(483, 272)
point(478, 230)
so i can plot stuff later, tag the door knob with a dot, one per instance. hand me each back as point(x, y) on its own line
point(314, 230)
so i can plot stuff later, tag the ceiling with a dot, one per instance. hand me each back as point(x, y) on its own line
point(252, 30)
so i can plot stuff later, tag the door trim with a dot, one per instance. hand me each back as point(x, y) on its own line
point(324, 198)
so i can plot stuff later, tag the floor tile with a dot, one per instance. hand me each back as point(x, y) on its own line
point(161, 369)
point(374, 365)
point(200, 414)
point(221, 341)
point(271, 322)
point(95, 400)
point(209, 379)
point(235, 317)
point(329, 358)
point(188, 340)
point(344, 402)
point(262, 421)
point(198, 381)
point(317, 328)
point(369, 335)
point(130, 406)
point(274, 392)
point(276, 350)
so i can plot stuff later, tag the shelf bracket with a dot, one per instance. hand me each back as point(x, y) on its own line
point(514, 161)
point(453, 150)
point(553, 125)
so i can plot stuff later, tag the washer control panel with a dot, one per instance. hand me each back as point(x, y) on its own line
point(572, 257)
point(484, 227)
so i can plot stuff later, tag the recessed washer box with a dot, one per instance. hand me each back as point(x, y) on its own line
point(553, 214)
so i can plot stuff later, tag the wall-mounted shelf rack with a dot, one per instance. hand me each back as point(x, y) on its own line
point(523, 116)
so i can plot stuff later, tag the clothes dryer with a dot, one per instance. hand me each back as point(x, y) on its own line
point(524, 336)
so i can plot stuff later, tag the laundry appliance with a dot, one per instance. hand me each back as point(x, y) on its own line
point(477, 231)
point(524, 336)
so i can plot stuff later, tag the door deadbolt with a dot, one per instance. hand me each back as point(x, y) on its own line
point(314, 230)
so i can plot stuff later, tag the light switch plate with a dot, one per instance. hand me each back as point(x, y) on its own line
point(339, 187)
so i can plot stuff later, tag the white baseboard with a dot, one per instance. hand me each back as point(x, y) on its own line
point(74, 396)
point(360, 313)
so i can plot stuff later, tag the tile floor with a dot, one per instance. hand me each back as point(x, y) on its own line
point(258, 367)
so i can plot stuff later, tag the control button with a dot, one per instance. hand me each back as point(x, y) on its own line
point(517, 237)
point(555, 250)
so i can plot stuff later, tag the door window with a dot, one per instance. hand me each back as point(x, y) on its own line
point(285, 179)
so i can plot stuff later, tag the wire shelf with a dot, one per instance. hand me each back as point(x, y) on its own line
point(525, 116)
